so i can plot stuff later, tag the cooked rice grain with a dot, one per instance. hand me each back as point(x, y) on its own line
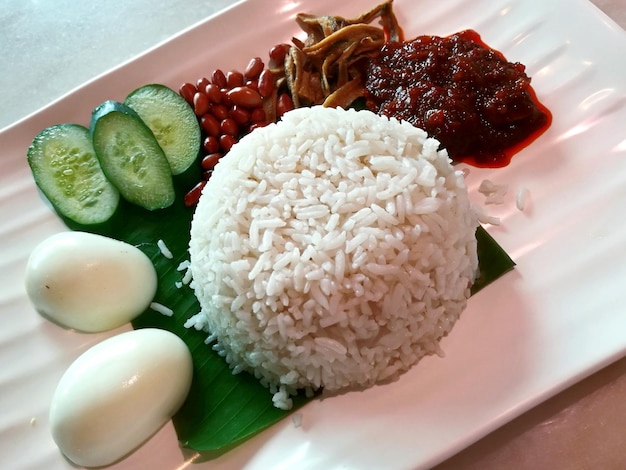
point(162, 309)
point(333, 249)
point(165, 251)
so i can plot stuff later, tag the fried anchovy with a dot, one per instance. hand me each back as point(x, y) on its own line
point(325, 68)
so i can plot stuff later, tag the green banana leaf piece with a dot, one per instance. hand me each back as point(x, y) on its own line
point(222, 410)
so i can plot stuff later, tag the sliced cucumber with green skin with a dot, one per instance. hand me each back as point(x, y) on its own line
point(131, 157)
point(67, 171)
point(172, 121)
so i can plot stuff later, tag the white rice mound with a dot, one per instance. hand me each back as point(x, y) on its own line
point(331, 250)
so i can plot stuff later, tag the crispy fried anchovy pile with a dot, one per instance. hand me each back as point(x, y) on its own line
point(325, 67)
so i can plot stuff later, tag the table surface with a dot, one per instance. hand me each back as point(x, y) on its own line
point(46, 52)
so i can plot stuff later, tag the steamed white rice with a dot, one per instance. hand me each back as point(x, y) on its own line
point(333, 249)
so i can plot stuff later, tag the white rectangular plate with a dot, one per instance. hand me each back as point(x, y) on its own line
point(557, 318)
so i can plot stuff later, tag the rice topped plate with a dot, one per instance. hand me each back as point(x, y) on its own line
point(331, 250)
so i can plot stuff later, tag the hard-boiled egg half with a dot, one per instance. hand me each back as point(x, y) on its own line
point(89, 282)
point(117, 394)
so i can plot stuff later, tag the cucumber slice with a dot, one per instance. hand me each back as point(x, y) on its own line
point(68, 173)
point(172, 121)
point(131, 156)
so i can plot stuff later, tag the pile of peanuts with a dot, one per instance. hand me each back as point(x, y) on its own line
point(230, 105)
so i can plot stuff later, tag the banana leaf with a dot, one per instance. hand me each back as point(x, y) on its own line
point(222, 410)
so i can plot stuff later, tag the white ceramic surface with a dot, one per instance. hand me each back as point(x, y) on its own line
point(556, 319)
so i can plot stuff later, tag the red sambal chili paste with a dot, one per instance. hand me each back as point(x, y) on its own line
point(468, 96)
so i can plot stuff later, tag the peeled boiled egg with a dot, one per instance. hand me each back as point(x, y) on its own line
point(89, 282)
point(119, 393)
